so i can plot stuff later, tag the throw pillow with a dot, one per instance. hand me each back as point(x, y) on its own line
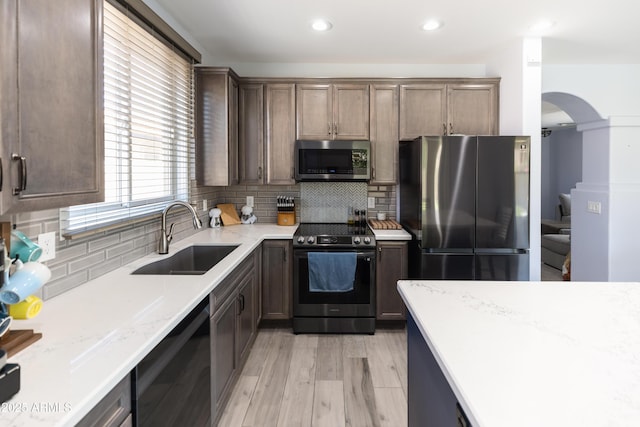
point(565, 204)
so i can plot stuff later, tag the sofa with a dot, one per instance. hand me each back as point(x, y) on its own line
point(556, 235)
point(555, 248)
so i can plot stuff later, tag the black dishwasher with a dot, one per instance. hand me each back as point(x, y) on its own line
point(172, 385)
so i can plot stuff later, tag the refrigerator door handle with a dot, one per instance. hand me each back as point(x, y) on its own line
point(500, 251)
point(448, 250)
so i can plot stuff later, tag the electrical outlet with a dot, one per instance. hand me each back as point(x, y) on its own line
point(371, 202)
point(204, 205)
point(47, 241)
point(594, 207)
point(250, 201)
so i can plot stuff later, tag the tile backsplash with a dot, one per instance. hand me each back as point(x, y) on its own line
point(331, 201)
point(80, 260)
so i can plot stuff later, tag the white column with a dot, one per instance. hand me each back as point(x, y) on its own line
point(518, 65)
point(606, 204)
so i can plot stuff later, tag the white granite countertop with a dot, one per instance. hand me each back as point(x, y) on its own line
point(535, 354)
point(95, 334)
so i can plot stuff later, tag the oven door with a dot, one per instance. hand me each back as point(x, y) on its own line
point(359, 302)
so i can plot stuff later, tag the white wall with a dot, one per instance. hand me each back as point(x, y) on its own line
point(613, 90)
point(169, 19)
point(624, 198)
point(355, 70)
point(561, 167)
point(548, 178)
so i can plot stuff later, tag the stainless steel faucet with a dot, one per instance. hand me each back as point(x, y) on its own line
point(165, 238)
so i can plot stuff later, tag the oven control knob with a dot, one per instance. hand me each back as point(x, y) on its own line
point(300, 239)
point(367, 240)
point(310, 239)
point(356, 240)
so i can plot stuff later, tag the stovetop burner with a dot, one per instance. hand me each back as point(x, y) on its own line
point(333, 234)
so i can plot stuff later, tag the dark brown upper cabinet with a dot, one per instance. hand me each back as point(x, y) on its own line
point(51, 115)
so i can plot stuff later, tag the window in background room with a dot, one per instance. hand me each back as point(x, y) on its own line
point(148, 117)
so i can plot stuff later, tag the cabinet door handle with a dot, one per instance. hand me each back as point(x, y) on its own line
point(335, 128)
point(23, 173)
point(450, 128)
point(444, 129)
point(328, 128)
point(1, 175)
point(241, 303)
point(259, 172)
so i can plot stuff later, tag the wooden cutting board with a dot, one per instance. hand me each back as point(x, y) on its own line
point(18, 339)
point(387, 224)
point(229, 215)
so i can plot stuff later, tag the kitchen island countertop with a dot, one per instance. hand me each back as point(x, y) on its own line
point(95, 334)
point(534, 354)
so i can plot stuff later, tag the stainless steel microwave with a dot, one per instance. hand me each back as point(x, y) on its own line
point(332, 160)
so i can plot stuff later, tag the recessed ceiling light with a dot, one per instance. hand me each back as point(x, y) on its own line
point(321, 25)
point(431, 25)
point(542, 26)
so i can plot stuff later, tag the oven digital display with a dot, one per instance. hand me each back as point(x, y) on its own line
point(334, 240)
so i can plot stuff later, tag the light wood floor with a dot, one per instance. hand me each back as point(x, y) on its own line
point(548, 273)
point(322, 380)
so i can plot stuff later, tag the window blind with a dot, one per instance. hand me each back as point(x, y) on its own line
point(148, 119)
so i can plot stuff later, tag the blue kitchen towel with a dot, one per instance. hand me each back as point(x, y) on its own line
point(332, 271)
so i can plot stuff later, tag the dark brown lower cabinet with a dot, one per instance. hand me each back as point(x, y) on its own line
point(223, 338)
point(234, 324)
point(391, 266)
point(276, 279)
point(247, 324)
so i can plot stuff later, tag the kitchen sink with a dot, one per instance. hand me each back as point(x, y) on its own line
point(194, 260)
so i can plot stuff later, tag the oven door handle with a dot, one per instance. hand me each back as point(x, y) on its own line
point(368, 255)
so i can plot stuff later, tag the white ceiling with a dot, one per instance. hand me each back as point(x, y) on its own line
point(388, 31)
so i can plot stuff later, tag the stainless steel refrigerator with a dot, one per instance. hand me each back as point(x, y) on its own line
point(465, 200)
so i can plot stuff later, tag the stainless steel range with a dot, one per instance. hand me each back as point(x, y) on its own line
point(334, 279)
